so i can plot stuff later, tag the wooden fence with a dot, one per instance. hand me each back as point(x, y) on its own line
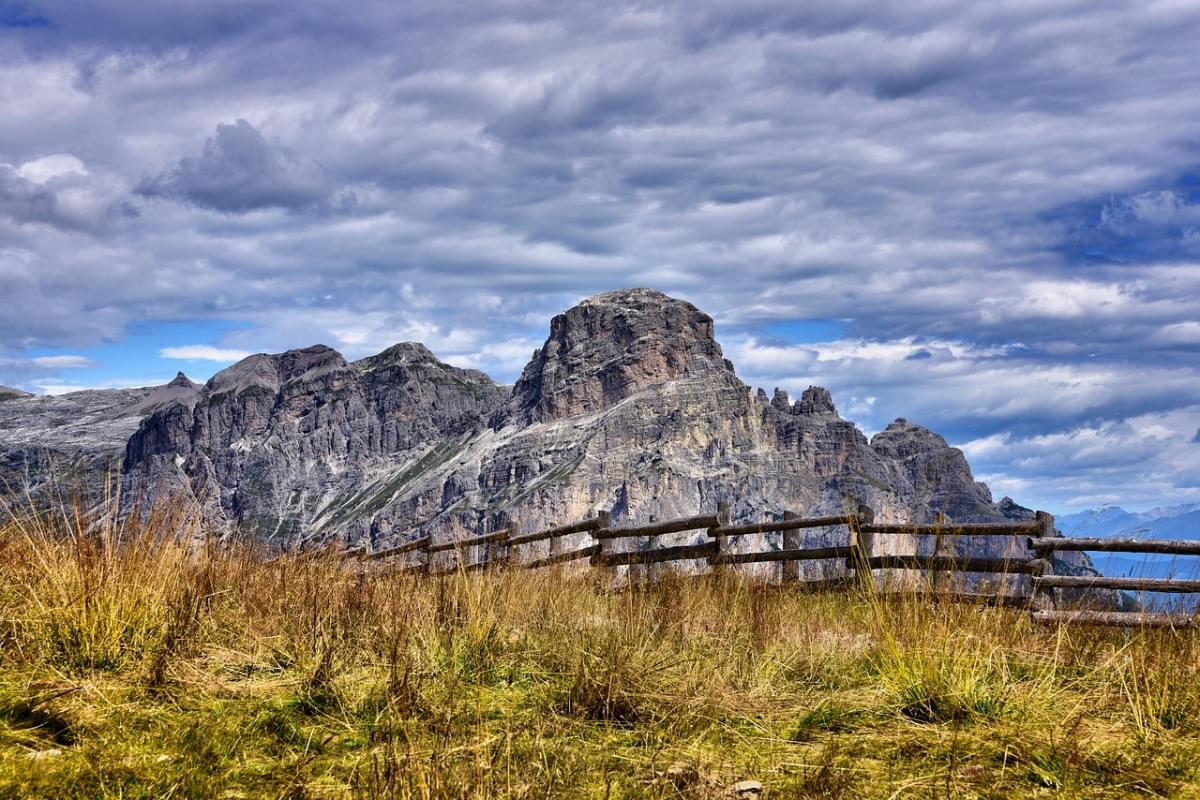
point(1042, 597)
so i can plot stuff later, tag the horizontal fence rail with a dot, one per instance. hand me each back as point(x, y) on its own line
point(562, 558)
point(1041, 592)
point(458, 544)
point(1156, 546)
point(655, 556)
point(659, 529)
point(1118, 619)
point(802, 554)
point(1128, 584)
point(563, 530)
point(968, 529)
point(780, 525)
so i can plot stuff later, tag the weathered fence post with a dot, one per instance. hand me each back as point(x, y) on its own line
point(722, 541)
point(556, 546)
point(606, 547)
point(502, 551)
point(861, 543)
point(427, 557)
point(644, 572)
point(791, 541)
point(1044, 599)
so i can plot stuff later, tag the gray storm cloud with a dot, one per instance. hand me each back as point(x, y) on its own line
point(239, 171)
point(1001, 198)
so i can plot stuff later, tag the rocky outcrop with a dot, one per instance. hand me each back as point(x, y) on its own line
point(304, 444)
point(938, 474)
point(76, 440)
point(608, 348)
point(9, 393)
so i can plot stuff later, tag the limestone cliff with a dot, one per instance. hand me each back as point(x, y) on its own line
point(304, 444)
point(629, 406)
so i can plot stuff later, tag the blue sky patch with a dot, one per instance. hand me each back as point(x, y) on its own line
point(137, 359)
point(1158, 223)
point(805, 331)
point(13, 15)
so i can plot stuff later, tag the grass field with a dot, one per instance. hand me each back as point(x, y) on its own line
point(133, 666)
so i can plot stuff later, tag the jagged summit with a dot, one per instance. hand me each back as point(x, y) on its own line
point(816, 401)
point(610, 347)
point(404, 353)
point(183, 381)
point(901, 438)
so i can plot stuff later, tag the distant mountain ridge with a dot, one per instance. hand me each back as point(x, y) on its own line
point(629, 406)
point(1167, 522)
point(76, 437)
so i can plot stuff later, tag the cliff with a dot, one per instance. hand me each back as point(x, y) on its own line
point(629, 405)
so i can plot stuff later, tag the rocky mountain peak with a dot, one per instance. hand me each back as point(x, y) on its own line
point(9, 393)
point(939, 472)
point(610, 347)
point(271, 371)
point(902, 438)
point(181, 381)
point(404, 353)
point(816, 401)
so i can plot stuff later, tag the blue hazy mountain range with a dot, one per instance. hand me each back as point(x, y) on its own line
point(1168, 522)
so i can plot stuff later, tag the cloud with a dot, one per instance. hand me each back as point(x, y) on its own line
point(1139, 460)
point(58, 190)
point(203, 352)
point(40, 170)
point(239, 171)
point(63, 362)
point(1010, 188)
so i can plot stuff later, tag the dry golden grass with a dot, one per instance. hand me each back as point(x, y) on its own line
point(134, 665)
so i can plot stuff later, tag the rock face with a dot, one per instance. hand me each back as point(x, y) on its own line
point(608, 348)
point(304, 444)
point(9, 393)
point(628, 406)
point(78, 438)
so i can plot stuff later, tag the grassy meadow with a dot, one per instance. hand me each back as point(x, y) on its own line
point(132, 665)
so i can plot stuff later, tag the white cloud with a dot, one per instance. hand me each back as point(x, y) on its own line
point(63, 362)
point(504, 358)
point(202, 352)
point(43, 169)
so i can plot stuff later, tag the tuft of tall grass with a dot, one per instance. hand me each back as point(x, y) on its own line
point(103, 590)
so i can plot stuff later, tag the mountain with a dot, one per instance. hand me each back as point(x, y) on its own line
point(304, 444)
point(1169, 522)
point(629, 405)
point(9, 393)
point(78, 436)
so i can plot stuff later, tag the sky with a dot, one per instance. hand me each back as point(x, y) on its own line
point(982, 217)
